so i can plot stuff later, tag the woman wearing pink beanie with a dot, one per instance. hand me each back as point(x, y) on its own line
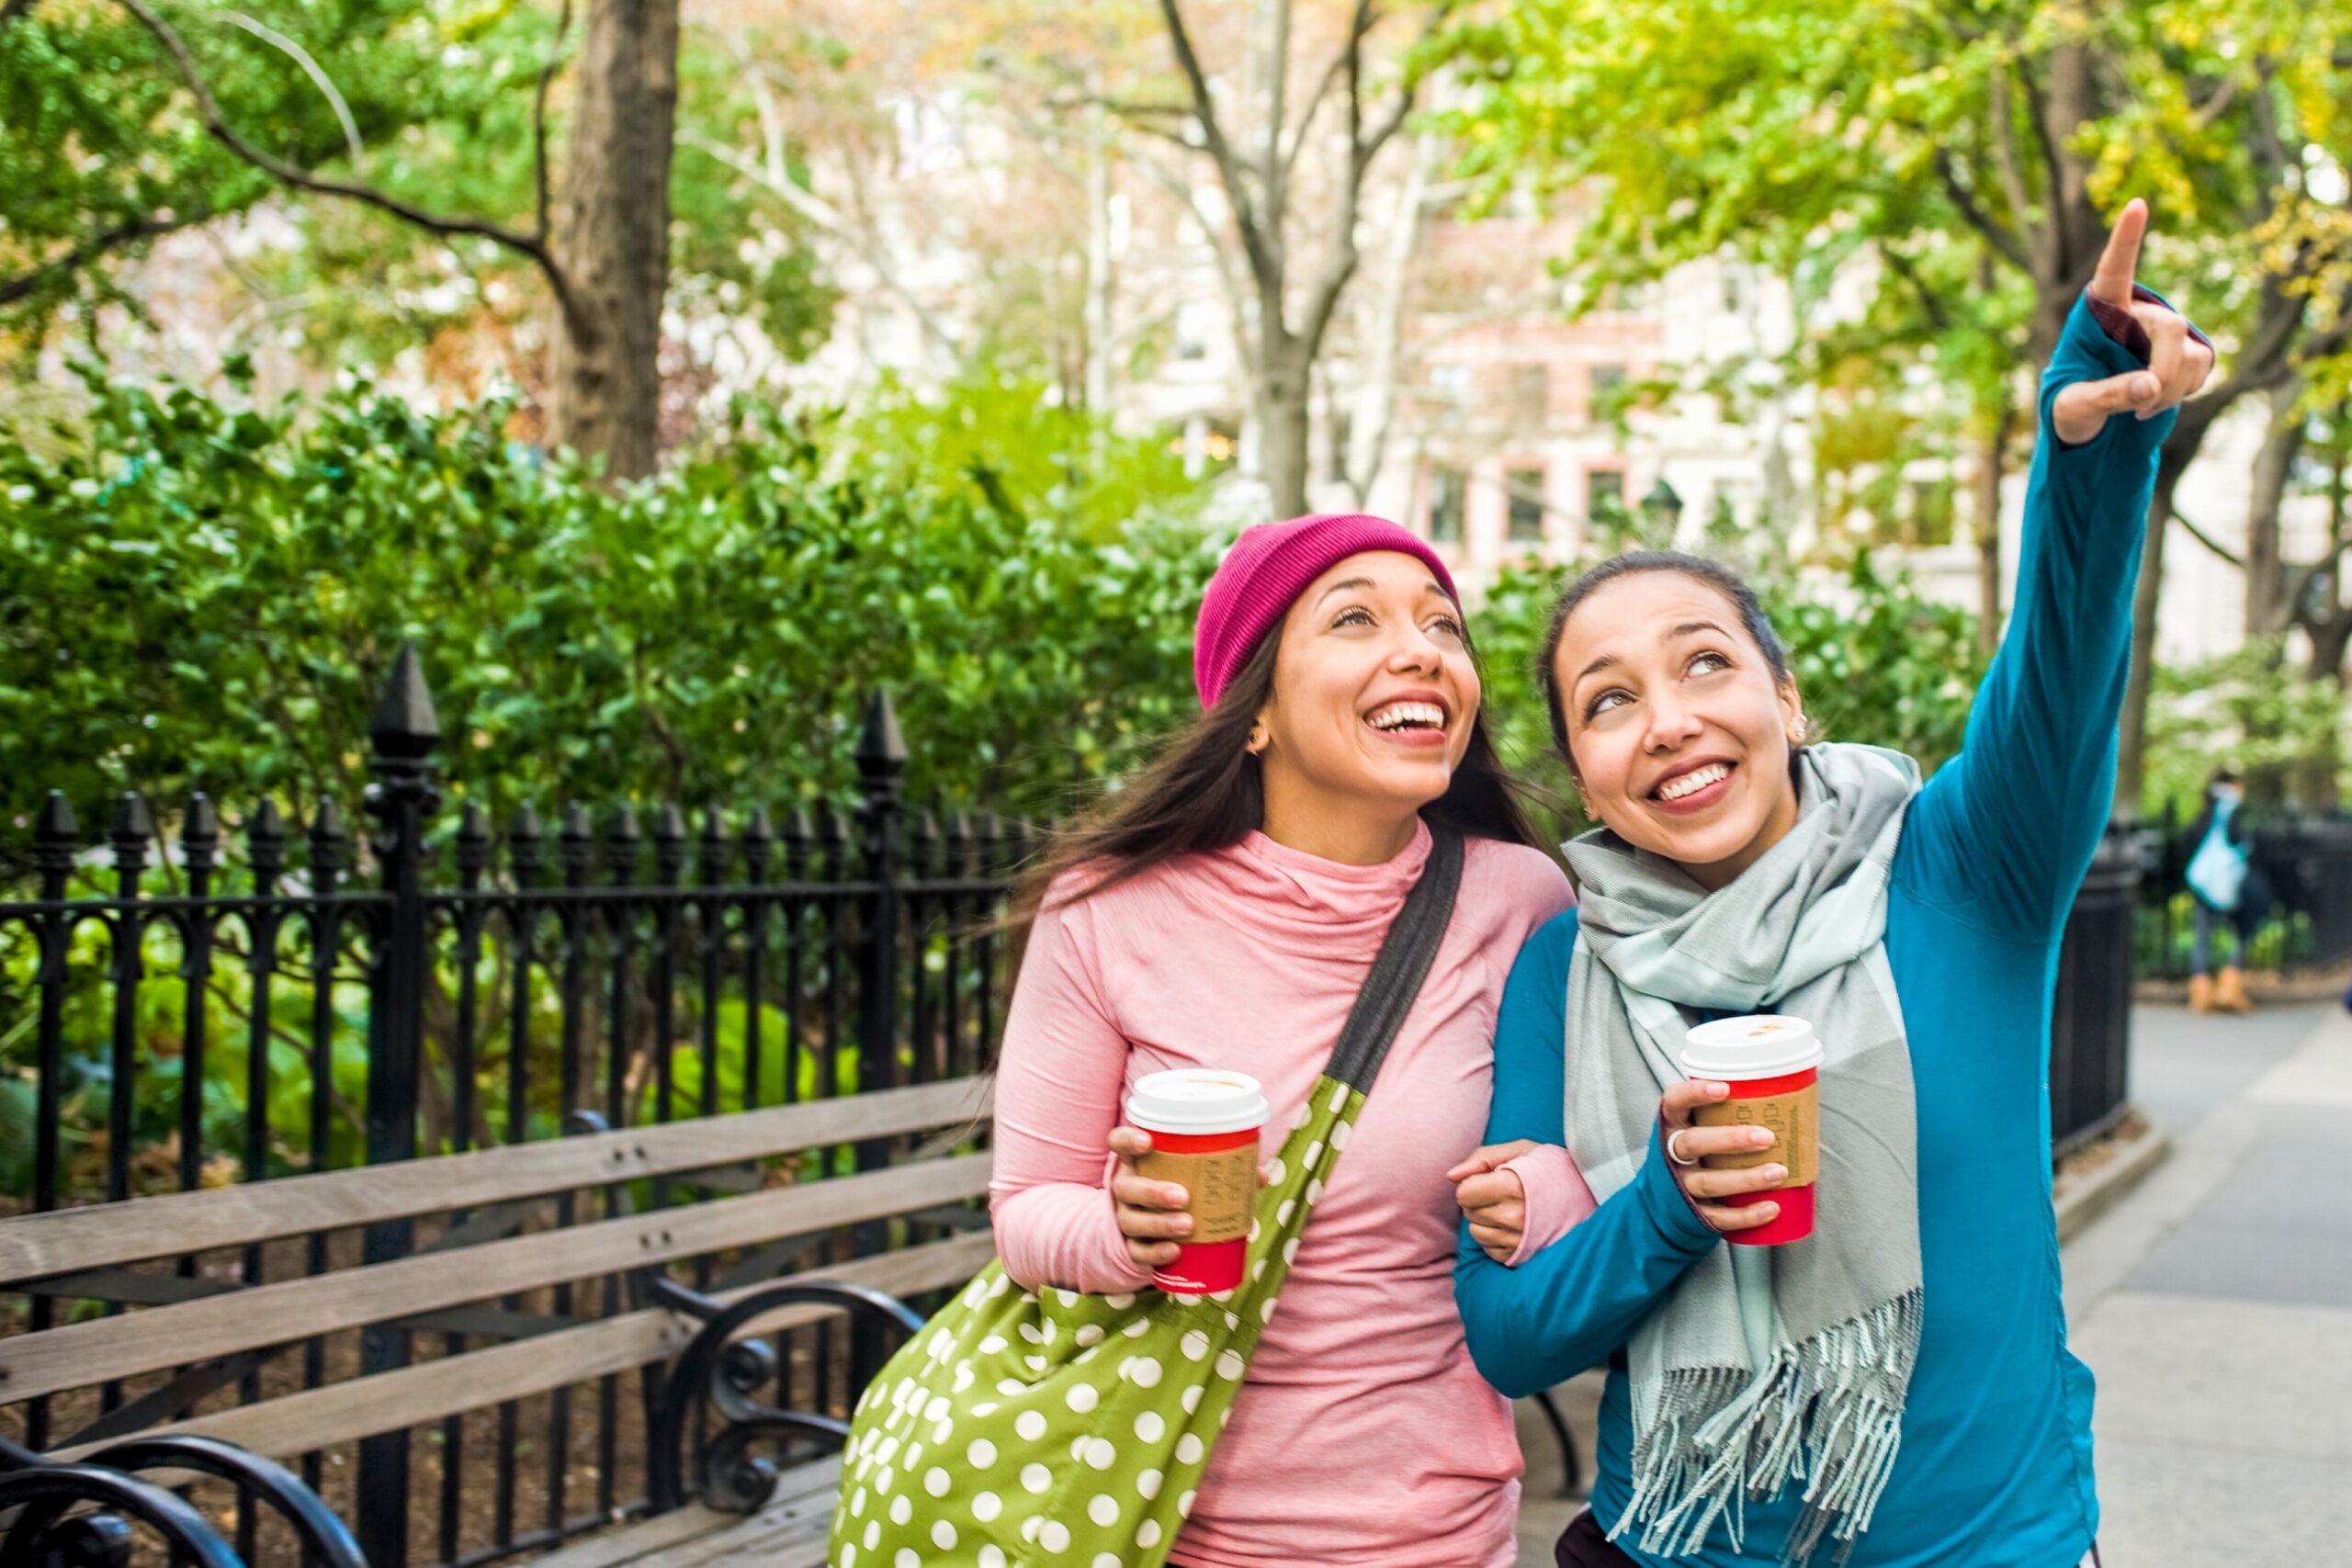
point(1222, 910)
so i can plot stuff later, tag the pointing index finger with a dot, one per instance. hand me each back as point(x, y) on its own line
point(2120, 262)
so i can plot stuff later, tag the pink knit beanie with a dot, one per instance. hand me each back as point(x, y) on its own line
point(1268, 567)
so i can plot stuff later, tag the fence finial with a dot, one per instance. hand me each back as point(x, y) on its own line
point(881, 748)
point(404, 724)
point(55, 831)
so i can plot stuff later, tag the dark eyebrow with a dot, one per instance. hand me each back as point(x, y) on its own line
point(1344, 582)
point(1685, 629)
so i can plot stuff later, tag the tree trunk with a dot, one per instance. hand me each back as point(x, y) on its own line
point(2268, 609)
point(1280, 404)
point(612, 235)
point(1375, 405)
point(1989, 520)
point(2179, 450)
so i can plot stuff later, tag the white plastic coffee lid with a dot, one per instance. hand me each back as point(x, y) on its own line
point(1760, 1045)
point(1197, 1100)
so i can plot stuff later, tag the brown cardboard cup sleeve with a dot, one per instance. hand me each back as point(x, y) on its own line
point(1223, 1186)
point(1794, 1118)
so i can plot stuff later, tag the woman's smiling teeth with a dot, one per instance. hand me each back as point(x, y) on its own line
point(1401, 715)
point(1694, 782)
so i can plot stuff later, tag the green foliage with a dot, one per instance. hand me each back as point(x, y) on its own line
point(101, 148)
point(1007, 434)
point(195, 594)
point(98, 137)
point(2245, 710)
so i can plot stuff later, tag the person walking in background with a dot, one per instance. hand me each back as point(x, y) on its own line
point(2225, 884)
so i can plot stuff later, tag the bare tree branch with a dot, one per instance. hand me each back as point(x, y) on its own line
point(1263, 265)
point(1362, 151)
point(1236, 298)
point(1332, 73)
point(2054, 182)
point(2202, 538)
point(129, 232)
point(1272, 180)
point(2004, 243)
point(302, 179)
point(2002, 113)
point(539, 120)
point(1931, 304)
point(1340, 266)
point(311, 68)
point(1409, 92)
point(770, 176)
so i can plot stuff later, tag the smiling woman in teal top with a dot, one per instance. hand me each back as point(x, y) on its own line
point(1895, 1391)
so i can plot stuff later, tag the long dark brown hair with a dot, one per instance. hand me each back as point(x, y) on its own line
point(1205, 791)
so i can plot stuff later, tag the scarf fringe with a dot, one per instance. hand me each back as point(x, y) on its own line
point(1828, 1412)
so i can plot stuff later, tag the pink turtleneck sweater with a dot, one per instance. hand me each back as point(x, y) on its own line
point(1363, 1436)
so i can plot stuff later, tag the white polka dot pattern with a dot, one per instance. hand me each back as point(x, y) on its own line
point(1004, 1434)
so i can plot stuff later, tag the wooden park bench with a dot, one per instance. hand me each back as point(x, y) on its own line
point(715, 1500)
point(525, 1218)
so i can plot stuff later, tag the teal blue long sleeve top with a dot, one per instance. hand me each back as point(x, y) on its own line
point(1996, 1464)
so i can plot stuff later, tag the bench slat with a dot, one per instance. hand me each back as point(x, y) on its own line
point(168, 1225)
point(804, 1491)
point(83, 1353)
point(315, 1418)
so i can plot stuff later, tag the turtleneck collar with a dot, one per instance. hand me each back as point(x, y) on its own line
point(1292, 899)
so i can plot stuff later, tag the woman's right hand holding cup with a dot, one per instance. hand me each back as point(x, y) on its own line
point(1687, 1144)
point(1151, 1213)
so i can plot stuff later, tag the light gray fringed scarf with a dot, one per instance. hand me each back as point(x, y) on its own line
point(1833, 1322)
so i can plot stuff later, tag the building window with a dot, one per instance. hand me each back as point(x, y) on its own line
point(1606, 379)
point(1524, 488)
point(1447, 489)
point(1605, 494)
point(1531, 393)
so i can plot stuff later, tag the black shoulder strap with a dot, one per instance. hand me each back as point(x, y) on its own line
point(1405, 954)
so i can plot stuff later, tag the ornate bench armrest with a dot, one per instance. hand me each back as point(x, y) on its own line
point(325, 1537)
point(716, 1370)
point(41, 1493)
point(45, 1490)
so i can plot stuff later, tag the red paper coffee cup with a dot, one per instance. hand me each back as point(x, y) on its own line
point(1773, 1066)
point(1204, 1124)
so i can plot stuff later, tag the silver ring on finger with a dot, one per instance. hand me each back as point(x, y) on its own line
point(1674, 1148)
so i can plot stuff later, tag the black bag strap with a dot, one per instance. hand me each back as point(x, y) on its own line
point(1405, 954)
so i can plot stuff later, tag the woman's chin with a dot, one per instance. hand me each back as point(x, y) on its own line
point(1701, 843)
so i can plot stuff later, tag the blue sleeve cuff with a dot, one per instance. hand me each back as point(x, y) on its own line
point(2086, 352)
point(1678, 1223)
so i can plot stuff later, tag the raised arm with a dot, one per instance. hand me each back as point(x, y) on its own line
point(2022, 806)
point(1058, 1091)
point(1567, 1306)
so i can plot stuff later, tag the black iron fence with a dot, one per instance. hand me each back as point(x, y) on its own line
point(2306, 867)
point(170, 1021)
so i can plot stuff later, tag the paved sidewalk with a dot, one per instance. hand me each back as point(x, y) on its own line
point(2214, 1303)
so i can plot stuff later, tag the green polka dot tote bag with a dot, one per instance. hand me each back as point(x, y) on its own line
point(1054, 1430)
